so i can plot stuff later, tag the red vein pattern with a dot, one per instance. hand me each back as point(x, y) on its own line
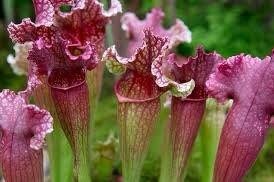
point(138, 103)
point(136, 123)
point(72, 107)
point(249, 82)
point(69, 102)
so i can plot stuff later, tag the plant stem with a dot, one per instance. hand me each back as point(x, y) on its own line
point(210, 134)
point(170, 11)
point(209, 145)
point(60, 156)
point(8, 10)
point(158, 3)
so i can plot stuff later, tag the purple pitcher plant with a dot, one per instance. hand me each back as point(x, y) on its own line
point(23, 128)
point(249, 82)
point(186, 113)
point(66, 45)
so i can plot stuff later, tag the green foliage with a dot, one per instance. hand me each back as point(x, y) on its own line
point(229, 28)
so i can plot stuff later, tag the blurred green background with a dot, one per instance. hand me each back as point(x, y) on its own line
point(228, 26)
